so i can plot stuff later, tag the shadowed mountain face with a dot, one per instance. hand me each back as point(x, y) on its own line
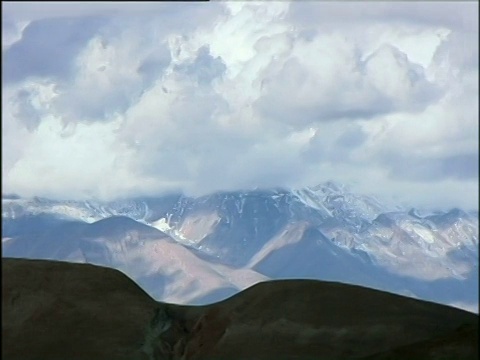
point(55, 310)
point(200, 250)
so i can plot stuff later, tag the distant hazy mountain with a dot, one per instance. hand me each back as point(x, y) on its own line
point(198, 250)
point(58, 310)
point(165, 268)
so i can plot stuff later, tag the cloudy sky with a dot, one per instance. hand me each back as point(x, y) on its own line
point(111, 100)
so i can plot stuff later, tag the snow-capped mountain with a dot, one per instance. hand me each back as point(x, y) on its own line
point(325, 232)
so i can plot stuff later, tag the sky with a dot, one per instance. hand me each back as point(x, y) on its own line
point(112, 100)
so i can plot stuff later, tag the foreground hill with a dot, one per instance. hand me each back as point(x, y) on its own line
point(56, 310)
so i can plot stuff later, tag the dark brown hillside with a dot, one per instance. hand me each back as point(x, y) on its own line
point(55, 310)
point(304, 319)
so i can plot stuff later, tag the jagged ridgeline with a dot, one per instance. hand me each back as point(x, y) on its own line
point(200, 250)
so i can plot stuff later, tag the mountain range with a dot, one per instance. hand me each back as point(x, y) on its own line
point(201, 250)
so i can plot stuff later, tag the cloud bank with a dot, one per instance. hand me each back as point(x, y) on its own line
point(116, 100)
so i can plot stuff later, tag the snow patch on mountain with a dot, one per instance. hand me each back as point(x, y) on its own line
point(292, 234)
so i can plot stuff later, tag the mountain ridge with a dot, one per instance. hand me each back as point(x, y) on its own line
point(410, 250)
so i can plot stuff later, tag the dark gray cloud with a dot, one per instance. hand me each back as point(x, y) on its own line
point(48, 48)
point(460, 50)
point(154, 65)
point(352, 138)
point(418, 168)
point(459, 15)
point(117, 89)
point(335, 144)
point(204, 68)
point(461, 166)
point(26, 112)
point(32, 11)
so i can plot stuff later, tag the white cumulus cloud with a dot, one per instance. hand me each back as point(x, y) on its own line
point(118, 99)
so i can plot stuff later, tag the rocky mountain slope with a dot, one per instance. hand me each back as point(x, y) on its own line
point(222, 243)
